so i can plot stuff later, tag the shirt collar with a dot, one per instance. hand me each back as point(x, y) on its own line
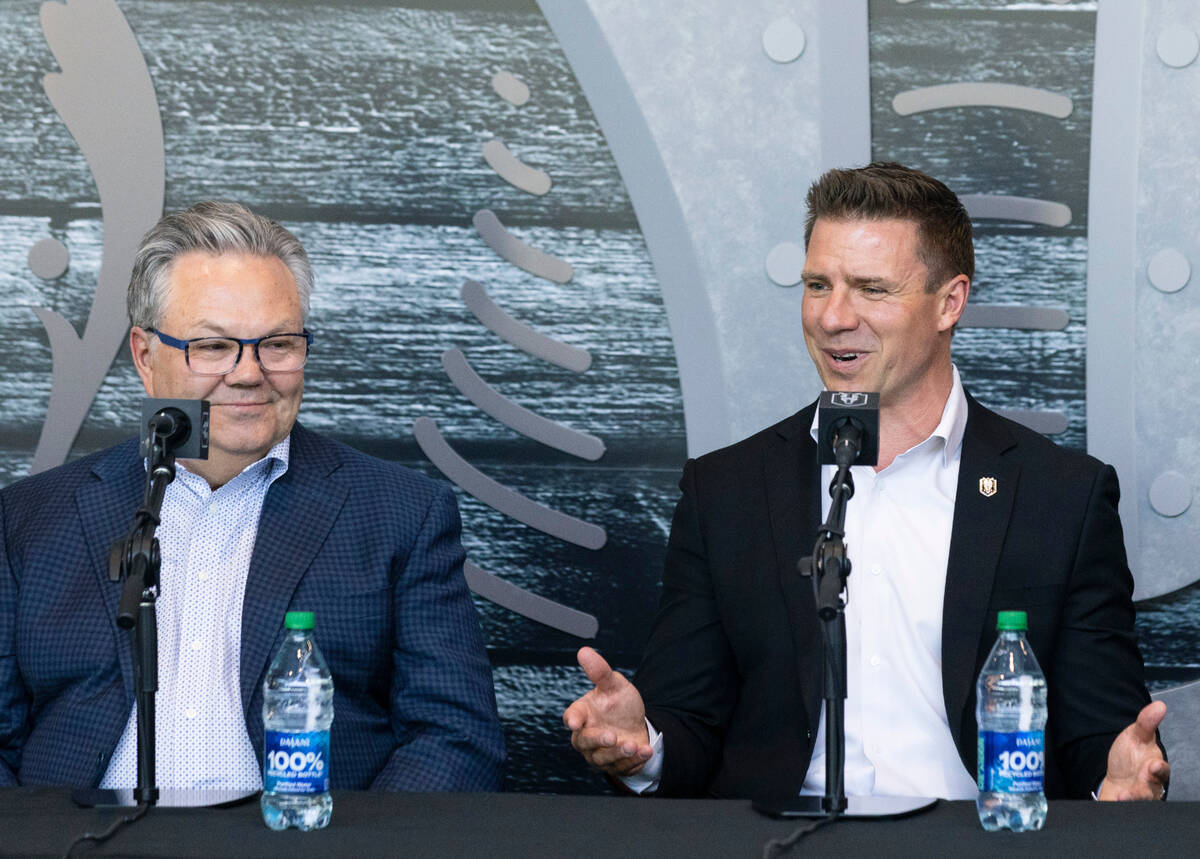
point(270, 468)
point(949, 429)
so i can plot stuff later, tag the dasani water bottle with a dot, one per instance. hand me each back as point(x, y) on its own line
point(1011, 713)
point(297, 712)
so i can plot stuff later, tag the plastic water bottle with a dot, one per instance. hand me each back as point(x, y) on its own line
point(1011, 713)
point(297, 712)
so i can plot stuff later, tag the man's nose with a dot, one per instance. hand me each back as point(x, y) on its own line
point(838, 312)
point(247, 371)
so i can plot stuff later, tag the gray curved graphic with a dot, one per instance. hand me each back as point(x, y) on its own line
point(503, 593)
point(1011, 208)
point(519, 334)
point(518, 253)
point(971, 94)
point(103, 73)
point(500, 497)
point(514, 171)
point(1014, 316)
point(510, 88)
point(519, 418)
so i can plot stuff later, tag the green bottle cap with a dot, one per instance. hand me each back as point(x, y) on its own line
point(1012, 620)
point(304, 620)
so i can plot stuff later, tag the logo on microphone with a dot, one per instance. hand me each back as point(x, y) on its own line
point(849, 398)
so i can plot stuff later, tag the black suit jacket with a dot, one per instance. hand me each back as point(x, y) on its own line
point(732, 671)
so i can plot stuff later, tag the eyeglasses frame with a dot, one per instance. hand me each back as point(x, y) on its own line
point(182, 345)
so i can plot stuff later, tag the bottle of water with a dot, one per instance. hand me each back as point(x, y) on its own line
point(297, 712)
point(1011, 713)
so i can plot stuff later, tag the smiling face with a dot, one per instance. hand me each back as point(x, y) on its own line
point(869, 322)
point(228, 295)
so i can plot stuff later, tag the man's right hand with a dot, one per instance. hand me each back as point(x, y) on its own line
point(608, 724)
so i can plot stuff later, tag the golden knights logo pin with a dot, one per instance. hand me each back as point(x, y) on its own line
point(987, 486)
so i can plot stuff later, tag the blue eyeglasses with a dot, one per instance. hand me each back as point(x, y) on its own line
point(216, 356)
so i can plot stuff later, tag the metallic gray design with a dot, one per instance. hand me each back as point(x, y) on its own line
point(1111, 260)
point(1009, 208)
point(49, 259)
point(1169, 270)
point(660, 215)
point(1047, 423)
point(1014, 316)
point(783, 40)
point(500, 497)
point(521, 335)
point(514, 171)
point(1177, 46)
point(518, 253)
point(516, 417)
point(503, 593)
point(970, 94)
point(510, 88)
point(1171, 494)
point(103, 76)
point(845, 73)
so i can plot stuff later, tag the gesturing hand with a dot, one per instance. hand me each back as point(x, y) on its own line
point(1136, 769)
point(608, 724)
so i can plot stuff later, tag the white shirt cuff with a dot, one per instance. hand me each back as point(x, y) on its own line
point(649, 776)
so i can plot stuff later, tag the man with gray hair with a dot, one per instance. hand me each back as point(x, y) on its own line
point(276, 518)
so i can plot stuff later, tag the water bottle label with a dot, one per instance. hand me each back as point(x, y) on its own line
point(1012, 761)
point(296, 762)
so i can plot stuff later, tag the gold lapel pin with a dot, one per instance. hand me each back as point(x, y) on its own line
point(987, 486)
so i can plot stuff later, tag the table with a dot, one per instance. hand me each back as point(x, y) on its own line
point(44, 821)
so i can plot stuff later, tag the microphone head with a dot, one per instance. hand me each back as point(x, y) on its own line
point(835, 409)
point(189, 417)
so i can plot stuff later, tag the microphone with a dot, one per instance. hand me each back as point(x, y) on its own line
point(182, 424)
point(848, 428)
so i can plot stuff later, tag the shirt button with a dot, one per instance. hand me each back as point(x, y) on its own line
point(202, 575)
point(875, 660)
point(196, 645)
point(191, 712)
point(876, 569)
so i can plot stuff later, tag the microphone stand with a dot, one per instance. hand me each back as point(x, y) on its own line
point(135, 560)
point(829, 568)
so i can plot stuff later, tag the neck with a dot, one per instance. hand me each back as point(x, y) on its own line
point(907, 424)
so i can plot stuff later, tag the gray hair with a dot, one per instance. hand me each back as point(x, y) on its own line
point(213, 227)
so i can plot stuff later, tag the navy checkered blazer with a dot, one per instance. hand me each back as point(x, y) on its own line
point(372, 547)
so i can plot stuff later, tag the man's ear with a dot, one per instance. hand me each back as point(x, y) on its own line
point(953, 301)
point(140, 346)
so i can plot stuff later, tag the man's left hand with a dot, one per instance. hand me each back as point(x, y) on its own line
point(1136, 768)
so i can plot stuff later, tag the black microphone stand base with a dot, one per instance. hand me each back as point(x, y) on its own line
point(860, 807)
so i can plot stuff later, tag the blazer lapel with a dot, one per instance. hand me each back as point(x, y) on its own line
point(106, 507)
point(793, 477)
point(987, 483)
point(297, 515)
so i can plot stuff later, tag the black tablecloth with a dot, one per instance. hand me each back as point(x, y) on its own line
point(44, 821)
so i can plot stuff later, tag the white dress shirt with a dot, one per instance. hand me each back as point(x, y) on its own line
point(206, 539)
point(898, 526)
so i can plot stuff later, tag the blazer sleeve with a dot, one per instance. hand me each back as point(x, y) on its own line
point(1099, 683)
point(688, 676)
point(443, 706)
point(14, 702)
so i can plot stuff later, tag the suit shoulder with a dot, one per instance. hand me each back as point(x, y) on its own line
point(752, 448)
point(378, 475)
point(54, 482)
point(1033, 447)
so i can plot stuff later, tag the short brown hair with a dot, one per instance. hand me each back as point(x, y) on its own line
point(885, 189)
